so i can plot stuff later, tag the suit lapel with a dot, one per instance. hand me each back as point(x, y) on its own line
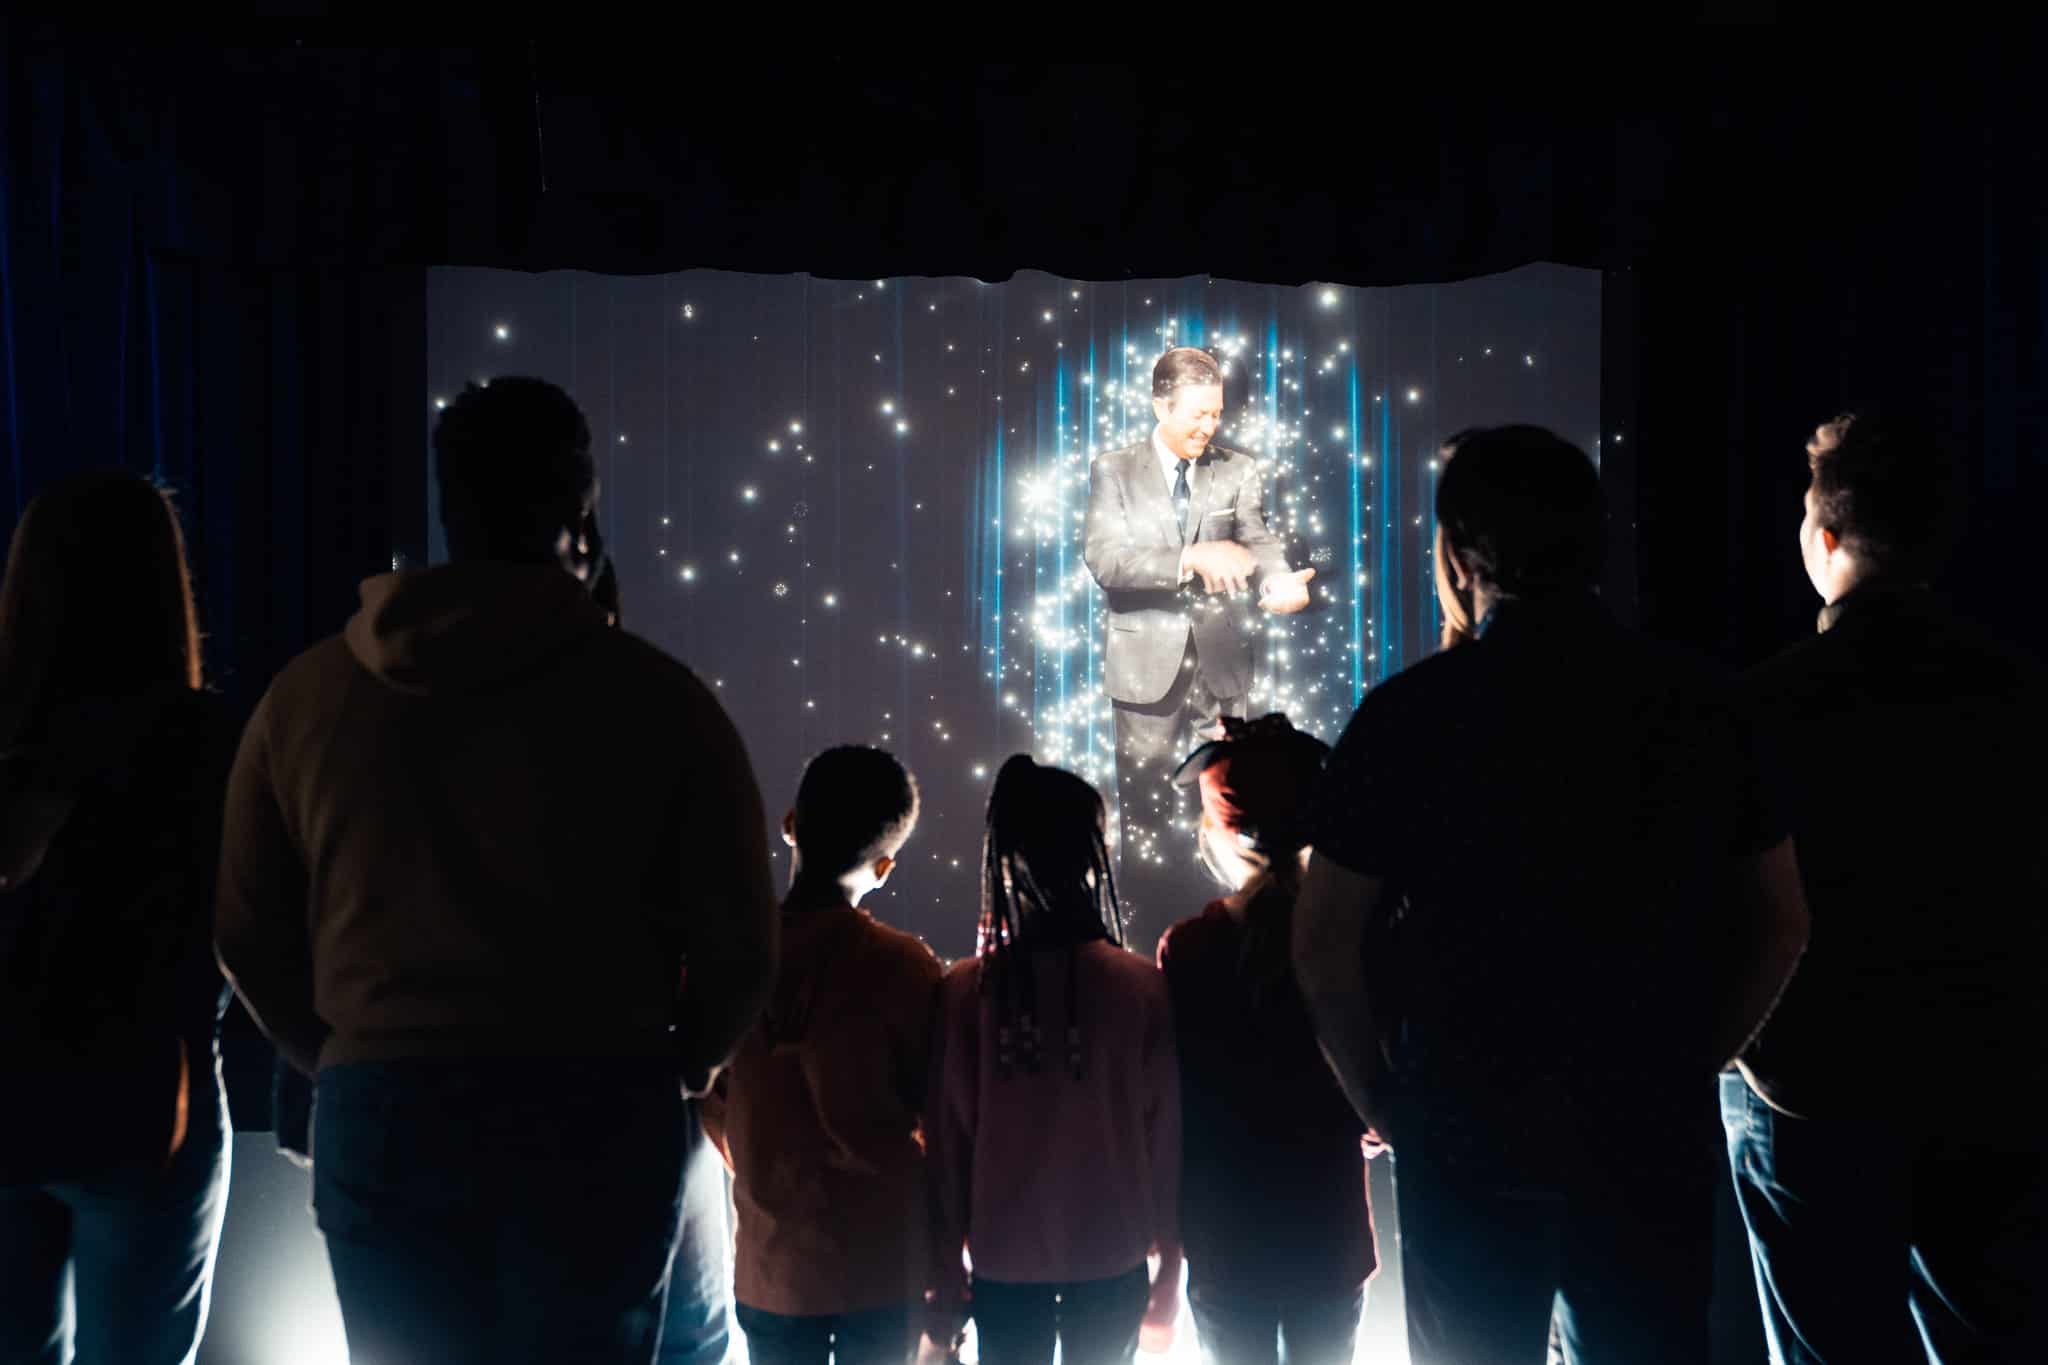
point(1199, 481)
point(1142, 475)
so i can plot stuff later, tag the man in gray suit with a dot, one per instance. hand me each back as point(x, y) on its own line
point(1162, 514)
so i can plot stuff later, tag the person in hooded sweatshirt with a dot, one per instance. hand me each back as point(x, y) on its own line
point(497, 873)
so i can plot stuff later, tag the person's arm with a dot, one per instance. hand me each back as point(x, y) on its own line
point(1330, 917)
point(1109, 549)
point(1268, 549)
point(260, 909)
point(731, 920)
point(29, 820)
point(1771, 930)
point(711, 1107)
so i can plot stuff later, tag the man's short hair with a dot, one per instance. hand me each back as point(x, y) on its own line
point(855, 804)
point(1521, 507)
point(508, 449)
point(1888, 487)
point(1184, 367)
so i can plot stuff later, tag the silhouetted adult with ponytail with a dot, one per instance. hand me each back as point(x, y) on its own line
point(114, 1150)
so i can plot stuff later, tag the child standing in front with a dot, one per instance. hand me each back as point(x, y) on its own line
point(1274, 1217)
point(819, 1111)
point(1054, 1114)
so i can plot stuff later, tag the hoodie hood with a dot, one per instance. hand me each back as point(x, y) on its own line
point(466, 627)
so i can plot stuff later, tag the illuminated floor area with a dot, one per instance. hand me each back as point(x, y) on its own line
point(274, 1303)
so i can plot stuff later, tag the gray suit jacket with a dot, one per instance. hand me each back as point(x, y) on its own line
point(1132, 545)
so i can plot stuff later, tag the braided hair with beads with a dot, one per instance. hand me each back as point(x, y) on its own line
point(1046, 885)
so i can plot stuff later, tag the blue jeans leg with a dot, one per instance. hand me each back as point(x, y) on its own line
point(1827, 1234)
point(494, 1211)
point(1874, 1242)
point(119, 1268)
point(697, 1320)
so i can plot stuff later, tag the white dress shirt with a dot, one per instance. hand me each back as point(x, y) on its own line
point(1169, 470)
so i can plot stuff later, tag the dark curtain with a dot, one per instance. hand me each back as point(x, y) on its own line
point(281, 404)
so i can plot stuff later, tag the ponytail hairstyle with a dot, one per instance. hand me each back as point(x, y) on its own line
point(97, 601)
point(1456, 608)
point(1046, 883)
point(1256, 785)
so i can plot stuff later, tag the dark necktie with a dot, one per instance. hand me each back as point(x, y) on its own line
point(1180, 496)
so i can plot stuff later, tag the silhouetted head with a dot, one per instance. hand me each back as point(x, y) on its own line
point(516, 475)
point(855, 809)
point(97, 601)
point(1045, 865)
point(1883, 497)
point(1045, 884)
point(1522, 514)
point(1254, 785)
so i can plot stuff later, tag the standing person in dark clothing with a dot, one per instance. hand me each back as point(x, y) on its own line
point(114, 1152)
point(472, 846)
point(1885, 1147)
point(1273, 1215)
point(1548, 901)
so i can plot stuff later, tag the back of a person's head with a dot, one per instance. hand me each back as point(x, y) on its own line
point(854, 805)
point(1521, 508)
point(1043, 850)
point(1889, 487)
point(97, 600)
point(512, 457)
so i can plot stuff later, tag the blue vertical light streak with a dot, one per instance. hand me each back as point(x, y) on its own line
point(1355, 528)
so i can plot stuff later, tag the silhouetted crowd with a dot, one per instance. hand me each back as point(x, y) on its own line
point(494, 873)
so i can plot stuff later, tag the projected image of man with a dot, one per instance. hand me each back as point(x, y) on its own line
point(1168, 515)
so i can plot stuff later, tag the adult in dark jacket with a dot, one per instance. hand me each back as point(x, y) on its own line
point(114, 1154)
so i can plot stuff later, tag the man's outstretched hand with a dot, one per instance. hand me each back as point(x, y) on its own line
point(1287, 593)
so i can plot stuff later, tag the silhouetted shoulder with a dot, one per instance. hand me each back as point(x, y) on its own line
point(1131, 972)
point(960, 983)
point(902, 951)
point(1193, 937)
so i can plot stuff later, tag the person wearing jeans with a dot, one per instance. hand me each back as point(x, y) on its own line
point(141, 1241)
point(462, 1204)
point(1545, 906)
point(1881, 1133)
point(495, 872)
point(697, 1318)
point(113, 759)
